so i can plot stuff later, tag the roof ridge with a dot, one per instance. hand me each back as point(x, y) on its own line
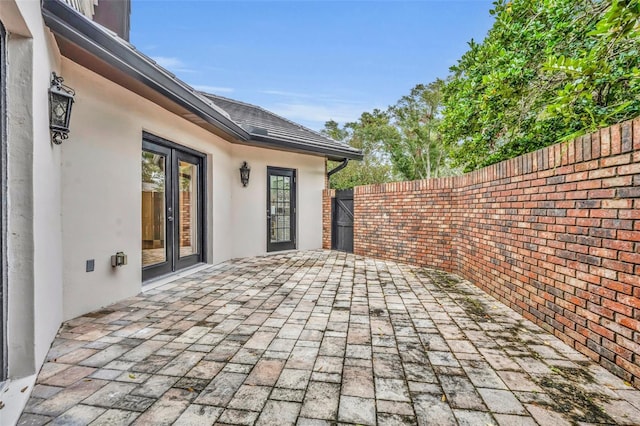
point(300, 126)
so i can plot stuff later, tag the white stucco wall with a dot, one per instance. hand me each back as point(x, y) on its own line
point(101, 190)
point(34, 237)
point(249, 203)
point(33, 231)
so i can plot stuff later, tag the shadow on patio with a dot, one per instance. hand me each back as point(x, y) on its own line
point(319, 337)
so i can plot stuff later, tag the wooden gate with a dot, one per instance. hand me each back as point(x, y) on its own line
point(342, 221)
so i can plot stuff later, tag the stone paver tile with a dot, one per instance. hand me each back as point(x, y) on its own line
point(28, 419)
point(395, 407)
point(205, 369)
point(75, 356)
point(281, 394)
point(387, 365)
point(221, 389)
point(68, 376)
point(143, 350)
point(200, 415)
point(461, 393)
point(359, 351)
point(518, 381)
point(78, 415)
point(192, 335)
point(484, 377)
point(50, 369)
point(545, 416)
point(266, 372)
point(155, 386)
point(238, 417)
point(388, 419)
point(115, 417)
point(44, 391)
point(321, 401)
point(328, 364)
point(181, 364)
point(282, 345)
point(392, 389)
point(443, 358)
point(501, 401)
point(513, 420)
point(473, 418)
point(431, 410)
point(134, 403)
point(279, 413)
point(498, 359)
point(333, 346)
point(357, 381)
point(110, 394)
point(260, 340)
point(165, 410)
point(67, 398)
point(302, 357)
point(132, 377)
point(105, 356)
point(622, 412)
point(293, 379)
point(303, 421)
point(419, 373)
point(357, 410)
point(250, 398)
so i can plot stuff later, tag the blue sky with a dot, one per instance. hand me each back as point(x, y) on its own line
point(309, 61)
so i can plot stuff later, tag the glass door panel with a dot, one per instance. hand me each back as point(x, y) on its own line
point(172, 207)
point(154, 204)
point(281, 209)
point(188, 208)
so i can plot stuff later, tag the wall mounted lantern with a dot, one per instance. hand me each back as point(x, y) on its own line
point(244, 174)
point(60, 103)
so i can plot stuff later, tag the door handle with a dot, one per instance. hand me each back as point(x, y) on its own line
point(170, 218)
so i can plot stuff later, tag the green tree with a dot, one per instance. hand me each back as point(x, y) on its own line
point(364, 134)
point(547, 70)
point(418, 152)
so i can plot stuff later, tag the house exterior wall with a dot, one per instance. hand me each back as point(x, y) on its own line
point(33, 261)
point(101, 196)
point(249, 204)
point(554, 234)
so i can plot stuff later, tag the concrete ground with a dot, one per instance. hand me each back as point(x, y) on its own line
point(314, 338)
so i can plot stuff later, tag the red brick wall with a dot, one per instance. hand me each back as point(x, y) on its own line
point(555, 234)
point(327, 194)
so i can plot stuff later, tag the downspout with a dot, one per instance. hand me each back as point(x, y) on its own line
point(338, 168)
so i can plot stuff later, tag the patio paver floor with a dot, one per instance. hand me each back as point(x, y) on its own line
point(319, 337)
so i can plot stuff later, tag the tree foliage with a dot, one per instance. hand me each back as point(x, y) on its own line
point(548, 70)
point(418, 152)
point(400, 143)
point(365, 134)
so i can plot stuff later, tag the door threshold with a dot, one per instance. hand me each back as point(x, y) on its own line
point(172, 276)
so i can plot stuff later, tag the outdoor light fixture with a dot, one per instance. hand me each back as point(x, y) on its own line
point(60, 102)
point(244, 174)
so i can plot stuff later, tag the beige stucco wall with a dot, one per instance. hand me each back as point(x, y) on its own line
point(33, 213)
point(34, 228)
point(249, 203)
point(101, 199)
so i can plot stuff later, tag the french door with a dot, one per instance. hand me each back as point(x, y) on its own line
point(172, 207)
point(281, 209)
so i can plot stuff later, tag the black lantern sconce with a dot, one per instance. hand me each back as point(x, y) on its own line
point(60, 103)
point(244, 174)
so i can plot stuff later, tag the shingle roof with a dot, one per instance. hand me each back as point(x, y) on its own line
point(265, 126)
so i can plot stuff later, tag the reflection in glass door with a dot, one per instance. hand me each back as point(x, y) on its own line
point(172, 189)
point(281, 209)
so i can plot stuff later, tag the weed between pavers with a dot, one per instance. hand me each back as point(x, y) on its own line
point(578, 404)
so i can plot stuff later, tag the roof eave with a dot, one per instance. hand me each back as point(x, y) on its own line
point(333, 154)
point(70, 25)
